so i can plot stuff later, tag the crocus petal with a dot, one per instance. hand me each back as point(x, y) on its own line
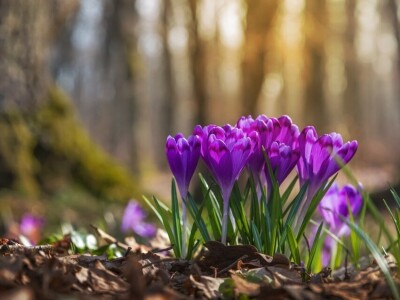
point(328, 204)
point(145, 229)
point(246, 124)
point(337, 140)
point(203, 133)
point(288, 160)
point(240, 154)
point(220, 161)
point(133, 214)
point(256, 158)
point(269, 129)
point(30, 223)
point(307, 139)
point(174, 158)
point(133, 220)
point(288, 132)
point(321, 152)
point(232, 136)
point(349, 195)
point(283, 159)
point(179, 136)
point(194, 142)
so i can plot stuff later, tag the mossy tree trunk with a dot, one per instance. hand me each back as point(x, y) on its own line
point(41, 141)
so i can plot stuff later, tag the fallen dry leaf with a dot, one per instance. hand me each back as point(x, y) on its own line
point(244, 287)
point(207, 285)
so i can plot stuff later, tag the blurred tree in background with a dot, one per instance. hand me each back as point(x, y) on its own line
point(42, 144)
point(258, 36)
point(138, 70)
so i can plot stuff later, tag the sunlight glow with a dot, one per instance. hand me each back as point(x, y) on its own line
point(368, 20)
point(291, 21)
point(150, 44)
point(178, 38)
point(148, 9)
point(86, 34)
point(272, 87)
point(207, 25)
point(230, 24)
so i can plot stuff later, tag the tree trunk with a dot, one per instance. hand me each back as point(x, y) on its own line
point(351, 93)
point(259, 19)
point(168, 107)
point(314, 108)
point(41, 141)
point(117, 70)
point(197, 64)
point(24, 39)
point(393, 11)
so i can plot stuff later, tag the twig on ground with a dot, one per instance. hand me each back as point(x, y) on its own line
point(159, 261)
point(232, 264)
point(156, 250)
point(127, 251)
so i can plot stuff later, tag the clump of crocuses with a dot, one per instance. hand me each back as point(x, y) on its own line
point(228, 150)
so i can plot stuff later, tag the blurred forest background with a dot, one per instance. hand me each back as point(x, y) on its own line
point(90, 89)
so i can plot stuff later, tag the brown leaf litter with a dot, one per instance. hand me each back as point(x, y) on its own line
point(219, 272)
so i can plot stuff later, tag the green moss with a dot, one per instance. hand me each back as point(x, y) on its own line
point(66, 150)
point(47, 150)
point(17, 164)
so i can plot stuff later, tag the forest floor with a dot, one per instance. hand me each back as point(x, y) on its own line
point(218, 272)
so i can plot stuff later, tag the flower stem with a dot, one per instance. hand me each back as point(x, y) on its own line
point(225, 218)
point(301, 213)
point(184, 229)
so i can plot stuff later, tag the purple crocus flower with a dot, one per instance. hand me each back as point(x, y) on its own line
point(203, 133)
point(283, 152)
point(267, 130)
point(31, 227)
point(333, 207)
point(321, 157)
point(226, 151)
point(183, 156)
point(336, 203)
point(283, 159)
point(288, 132)
point(134, 219)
